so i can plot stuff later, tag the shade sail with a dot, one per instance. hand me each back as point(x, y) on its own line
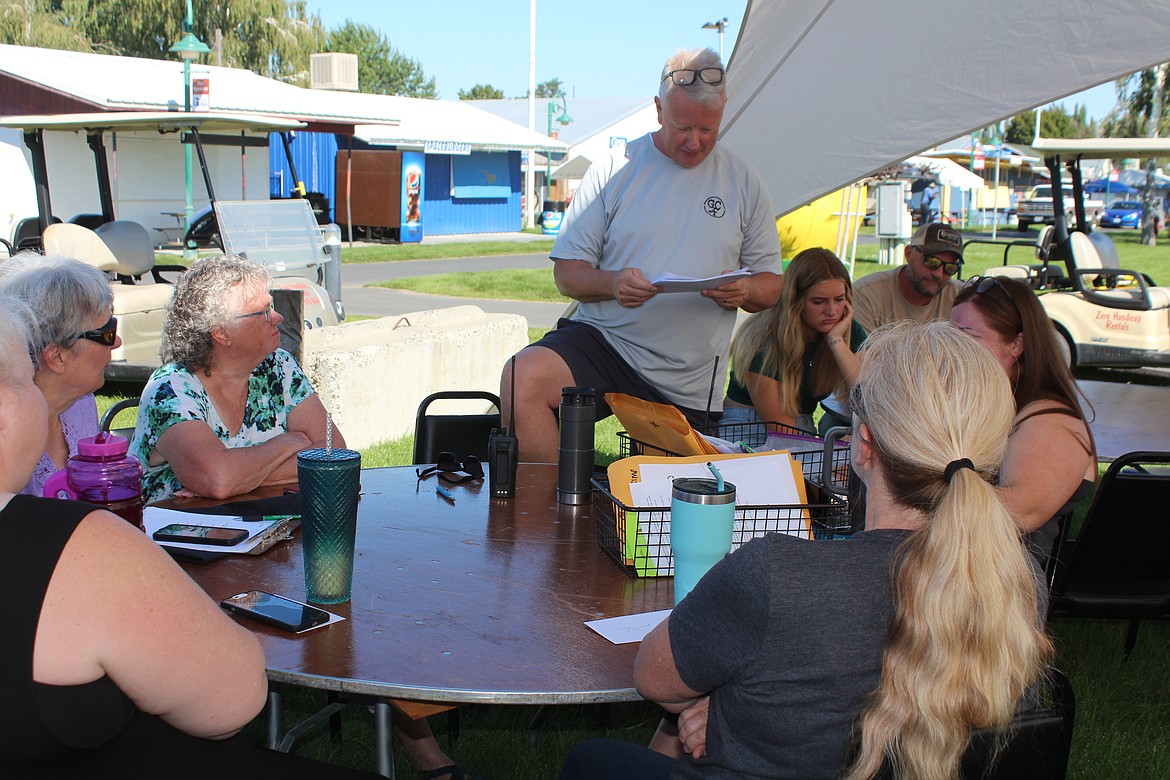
point(824, 92)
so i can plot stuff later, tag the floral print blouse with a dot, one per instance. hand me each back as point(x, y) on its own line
point(175, 395)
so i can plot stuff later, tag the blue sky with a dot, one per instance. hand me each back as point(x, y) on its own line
point(597, 48)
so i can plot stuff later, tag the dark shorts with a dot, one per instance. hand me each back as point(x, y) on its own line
point(594, 363)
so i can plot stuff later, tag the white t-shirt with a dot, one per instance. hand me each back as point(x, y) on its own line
point(640, 209)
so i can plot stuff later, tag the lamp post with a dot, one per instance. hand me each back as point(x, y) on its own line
point(563, 119)
point(189, 48)
point(720, 25)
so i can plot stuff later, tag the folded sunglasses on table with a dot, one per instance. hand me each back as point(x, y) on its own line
point(449, 469)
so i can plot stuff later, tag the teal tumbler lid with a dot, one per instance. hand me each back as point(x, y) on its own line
point(322, 455)
point(693, 490)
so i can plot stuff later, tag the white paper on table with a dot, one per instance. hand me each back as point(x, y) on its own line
point(154, 518)
point(628, 628)
point(674, 283)
point(763, 480)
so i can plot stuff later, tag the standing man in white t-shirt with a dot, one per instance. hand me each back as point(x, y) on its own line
point(670, 201)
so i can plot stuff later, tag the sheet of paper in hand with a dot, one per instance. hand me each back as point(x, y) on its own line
point(674, 283)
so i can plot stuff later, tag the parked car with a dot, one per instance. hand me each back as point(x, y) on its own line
point(1123, 213)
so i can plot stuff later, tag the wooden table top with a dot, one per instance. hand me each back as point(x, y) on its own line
point(483, 601)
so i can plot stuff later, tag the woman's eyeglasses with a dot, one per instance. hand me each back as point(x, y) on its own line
point(934, 262)
point(266, 312)
point(447, 466)
point(106, 335)
point(684, 77)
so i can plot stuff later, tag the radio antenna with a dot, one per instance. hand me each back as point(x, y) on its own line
point(512, 398)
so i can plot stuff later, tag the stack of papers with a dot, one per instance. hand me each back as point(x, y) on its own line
point(674, 283)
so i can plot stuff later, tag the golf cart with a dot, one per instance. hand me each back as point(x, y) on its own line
point(1106, 316)
point(282, 235)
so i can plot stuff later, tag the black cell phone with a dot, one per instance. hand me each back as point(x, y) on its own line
point(275, 610)
point(200, 534)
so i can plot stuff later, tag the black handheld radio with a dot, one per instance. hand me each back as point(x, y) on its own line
point(503, 451)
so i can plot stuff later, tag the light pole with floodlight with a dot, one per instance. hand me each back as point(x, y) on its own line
point(189, 48)
point(563, 119)
point(720, 25)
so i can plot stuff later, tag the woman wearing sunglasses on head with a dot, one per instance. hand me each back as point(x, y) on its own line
point(229, 410)
point(73, 307)
point(1051, 461)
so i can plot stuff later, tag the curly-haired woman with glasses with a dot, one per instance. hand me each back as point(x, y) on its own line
point(228, 410)
point(75, 334)
point(1051, 462)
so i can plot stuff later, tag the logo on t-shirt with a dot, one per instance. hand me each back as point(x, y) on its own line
point(714, 206)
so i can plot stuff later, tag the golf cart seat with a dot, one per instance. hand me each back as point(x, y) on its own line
point(131, 244)
point(70, 240)
point(1115, 289)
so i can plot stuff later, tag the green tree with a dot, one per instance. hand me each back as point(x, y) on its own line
point(481, 92)
point(382, 69)
point(1055, 122)
point(271, 37)
point(550, 88)
point(1135, 104)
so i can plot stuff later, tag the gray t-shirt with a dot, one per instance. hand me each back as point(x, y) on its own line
point(641, 209)
point(787, 634)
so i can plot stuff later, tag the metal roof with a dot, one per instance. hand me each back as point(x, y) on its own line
point(133, 83)
point(152, 120)
point(590, 115)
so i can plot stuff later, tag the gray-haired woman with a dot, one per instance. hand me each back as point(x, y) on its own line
point(228, 410)
point(73, 306)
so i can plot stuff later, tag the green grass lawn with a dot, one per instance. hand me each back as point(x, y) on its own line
point(537, 284)
point(381, 253)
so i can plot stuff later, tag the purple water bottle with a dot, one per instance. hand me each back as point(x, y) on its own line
point(102, 473)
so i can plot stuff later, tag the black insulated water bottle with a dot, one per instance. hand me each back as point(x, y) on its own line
point(575, 470)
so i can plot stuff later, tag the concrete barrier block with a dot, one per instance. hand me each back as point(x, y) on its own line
point(373, 374)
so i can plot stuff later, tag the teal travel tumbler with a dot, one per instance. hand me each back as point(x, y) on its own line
point(702, 518)
point(330, 481)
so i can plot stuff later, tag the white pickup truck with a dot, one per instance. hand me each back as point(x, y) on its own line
point(1037, 207)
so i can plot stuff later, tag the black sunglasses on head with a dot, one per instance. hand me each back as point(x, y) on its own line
point(447, 465)
point(106, 335)
point(684, 77)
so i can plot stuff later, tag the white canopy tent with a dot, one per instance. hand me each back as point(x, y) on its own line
point(948, 172)
point(824, 92)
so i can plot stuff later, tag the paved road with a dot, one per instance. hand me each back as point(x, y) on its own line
point(382, 302)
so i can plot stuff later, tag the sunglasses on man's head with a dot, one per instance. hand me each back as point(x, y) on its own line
point(447, 465)
point(106, 335)
point(684, 77)
point(934, 262)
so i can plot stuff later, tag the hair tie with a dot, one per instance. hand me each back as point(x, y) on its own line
point(955, 465)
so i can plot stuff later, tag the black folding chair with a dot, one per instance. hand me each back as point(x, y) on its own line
point(1118, 566)
point(1036, 744)
point(107, 421)
point(459, 434)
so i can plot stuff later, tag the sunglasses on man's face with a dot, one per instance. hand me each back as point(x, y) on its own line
point(448, 466)
point(106, 335)
point(934, 262)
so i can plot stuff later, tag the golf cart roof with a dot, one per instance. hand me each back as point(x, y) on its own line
point(1105, 147)
point(205, 121)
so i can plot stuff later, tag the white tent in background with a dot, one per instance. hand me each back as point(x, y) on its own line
point(824, 92)
point(948, 172)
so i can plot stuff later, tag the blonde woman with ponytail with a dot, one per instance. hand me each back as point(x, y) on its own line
point(932, 421)
point(804, 659)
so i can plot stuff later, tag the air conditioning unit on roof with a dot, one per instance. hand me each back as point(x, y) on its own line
point(333, 70)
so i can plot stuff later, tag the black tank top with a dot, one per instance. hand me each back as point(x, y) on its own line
point(44, 722)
